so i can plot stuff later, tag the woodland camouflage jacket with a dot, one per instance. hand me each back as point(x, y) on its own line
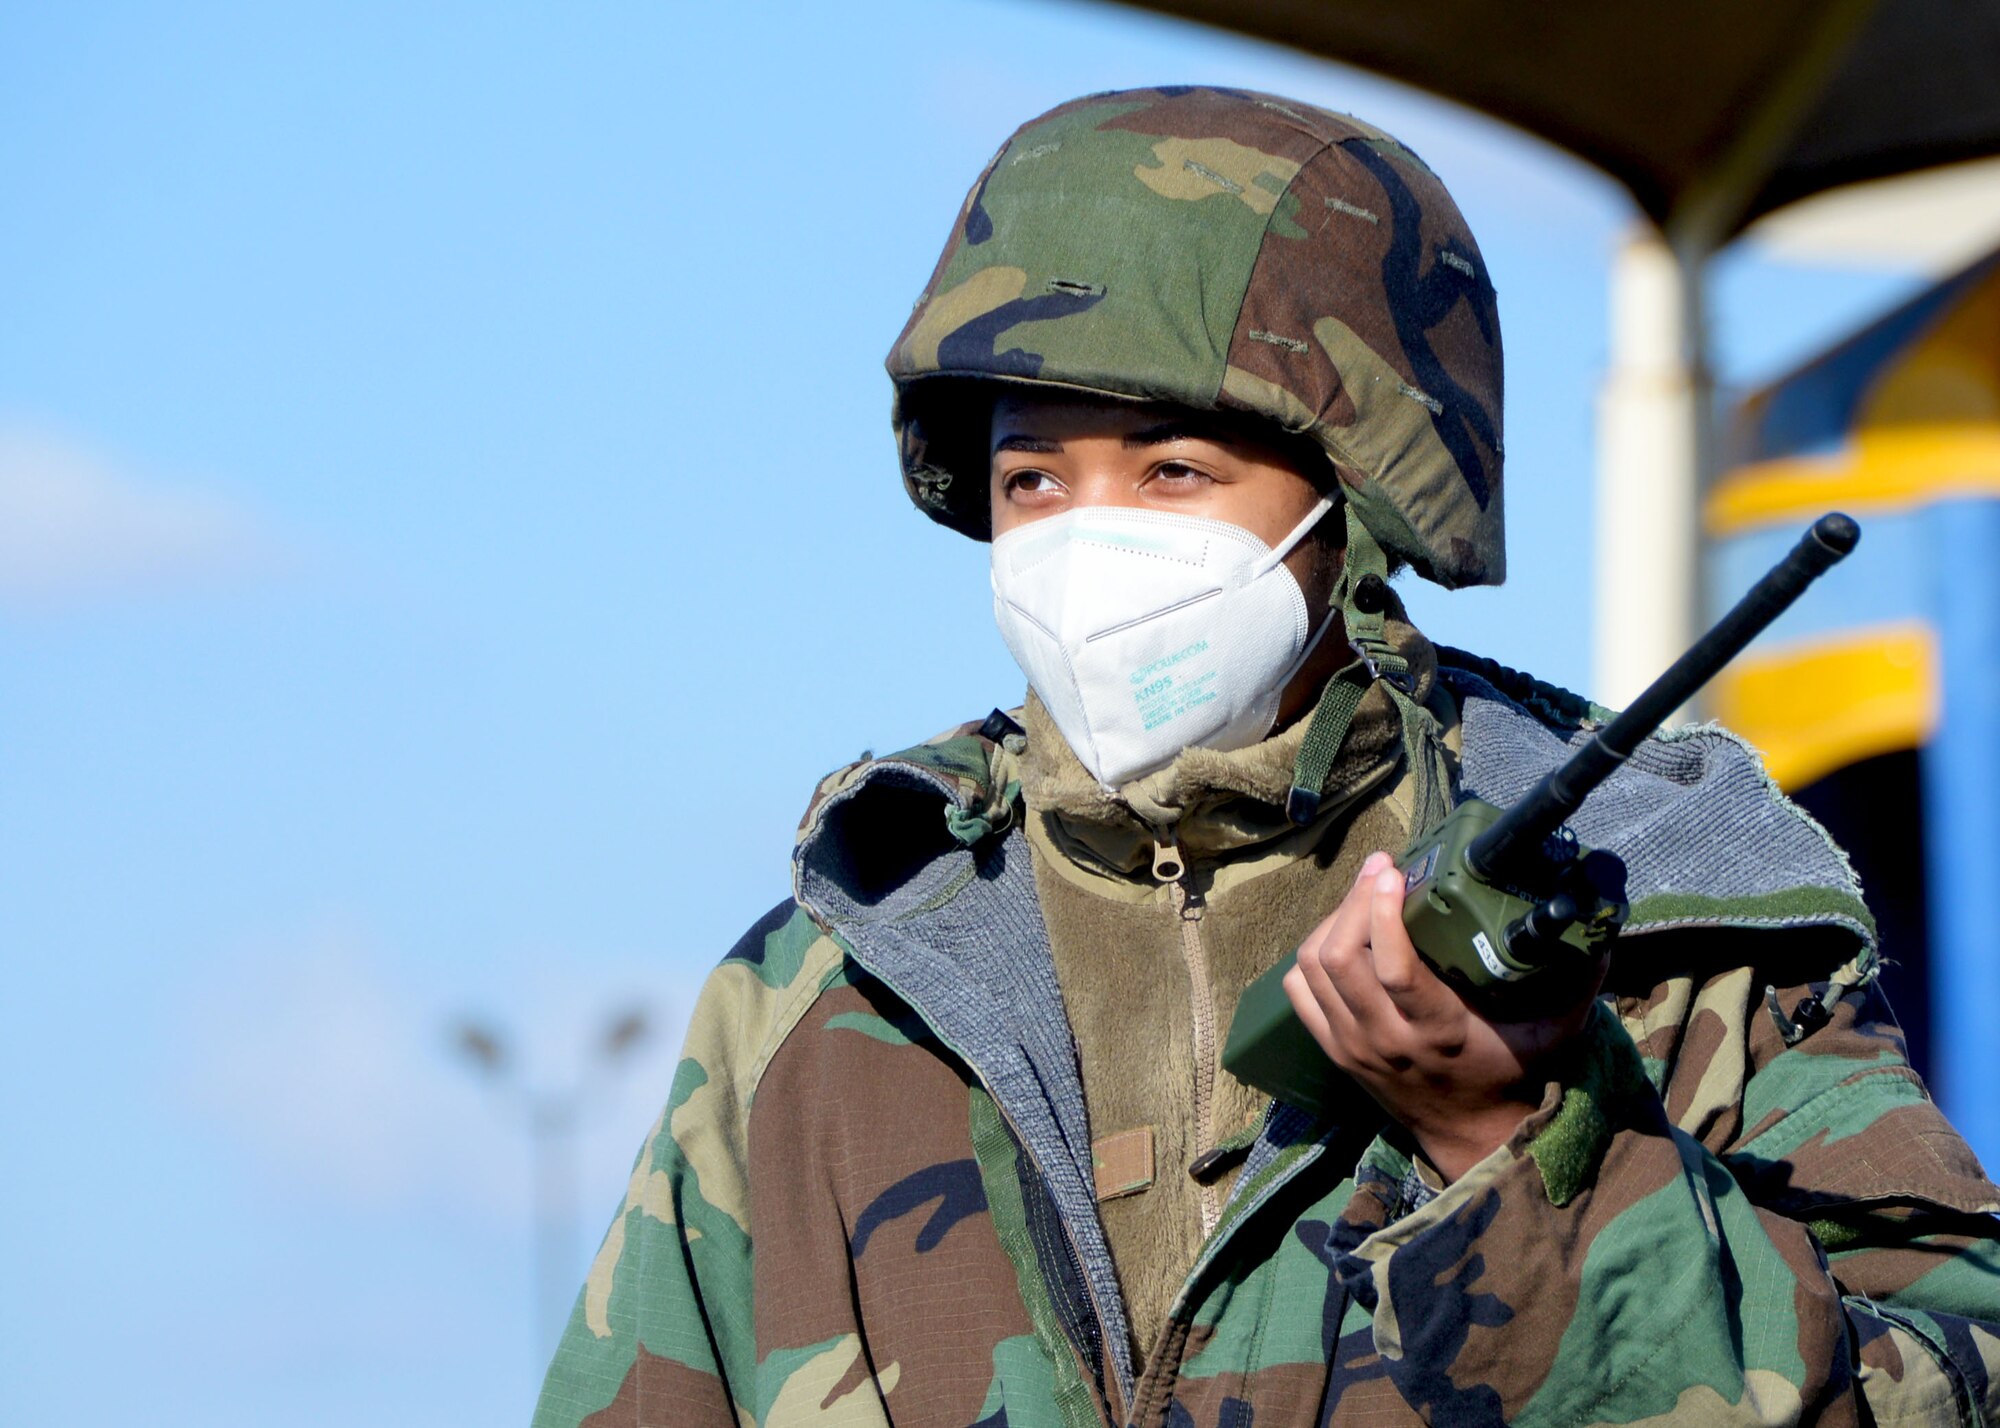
point(869, 1199)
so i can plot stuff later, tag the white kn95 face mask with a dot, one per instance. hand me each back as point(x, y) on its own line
point(1148, 632)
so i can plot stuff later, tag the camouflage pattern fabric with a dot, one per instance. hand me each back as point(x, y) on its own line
point(835, 1221)
point(1226, 251)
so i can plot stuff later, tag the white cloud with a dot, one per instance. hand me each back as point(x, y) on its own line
point(76, 526)
point(335, 1071)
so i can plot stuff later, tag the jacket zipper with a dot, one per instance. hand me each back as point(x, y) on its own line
point(1106, 1366)
point(1170, 866)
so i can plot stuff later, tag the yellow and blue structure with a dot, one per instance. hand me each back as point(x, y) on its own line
point(1899, 425)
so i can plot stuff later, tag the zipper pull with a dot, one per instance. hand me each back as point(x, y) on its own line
point(1170, 867)
point(1212, 1162)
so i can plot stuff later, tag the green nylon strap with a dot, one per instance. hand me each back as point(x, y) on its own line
point(1324, 736)
point(994, 1148)
point(1363, 596)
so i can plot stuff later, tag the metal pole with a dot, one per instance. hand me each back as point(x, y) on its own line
point(1654, 417)
point(1961, 783)
point(552, 1136)
point(551, 1121)
point(551, 1118)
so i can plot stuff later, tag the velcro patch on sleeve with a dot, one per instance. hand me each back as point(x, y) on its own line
point(1123, 1162)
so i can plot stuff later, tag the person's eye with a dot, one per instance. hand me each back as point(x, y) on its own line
point(1027, 483)
point(1180, 474)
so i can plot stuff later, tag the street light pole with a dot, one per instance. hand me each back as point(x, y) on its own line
point(552, 1131)
point(551, 1117)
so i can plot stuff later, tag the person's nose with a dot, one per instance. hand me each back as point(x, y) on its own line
point(1104, 484)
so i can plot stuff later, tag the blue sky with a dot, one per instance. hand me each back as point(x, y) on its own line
point(447, 523)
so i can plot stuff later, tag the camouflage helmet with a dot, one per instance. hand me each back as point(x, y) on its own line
point(1232, 252)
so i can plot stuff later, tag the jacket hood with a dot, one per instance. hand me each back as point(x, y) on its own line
point(1225, 251)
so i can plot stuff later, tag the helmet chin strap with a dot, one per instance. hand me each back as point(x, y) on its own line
point(1362, 595)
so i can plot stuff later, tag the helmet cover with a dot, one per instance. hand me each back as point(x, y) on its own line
point(1231, 252)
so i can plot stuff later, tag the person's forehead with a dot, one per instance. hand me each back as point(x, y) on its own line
point(1069, 415)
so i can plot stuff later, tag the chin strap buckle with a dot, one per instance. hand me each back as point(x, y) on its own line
point(1397, 674)
point(1363, 595)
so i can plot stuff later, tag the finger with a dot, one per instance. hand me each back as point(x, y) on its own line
point(1311, 980)
point(1350, 969)
point(1350, 919)
point(1339, 936)
point(1307, 1007)
point(1347, 925)
point(1416, 992)
point(1326, 1019)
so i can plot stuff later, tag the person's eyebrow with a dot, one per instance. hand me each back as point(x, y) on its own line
point(1014, 441)
point(1177, 429)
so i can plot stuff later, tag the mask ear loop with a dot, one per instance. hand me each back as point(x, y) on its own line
point(1299, 532)
point(1270, 563)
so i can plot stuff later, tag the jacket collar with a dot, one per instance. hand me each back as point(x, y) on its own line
point(1212, 803)
point(1707, 838)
